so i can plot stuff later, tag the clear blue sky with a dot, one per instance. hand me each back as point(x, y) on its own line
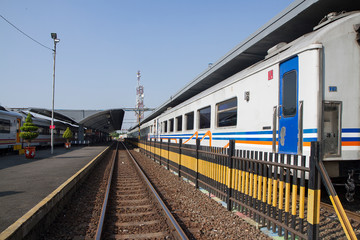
point(104, 43)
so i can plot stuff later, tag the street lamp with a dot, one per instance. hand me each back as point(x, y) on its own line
point(56, 40)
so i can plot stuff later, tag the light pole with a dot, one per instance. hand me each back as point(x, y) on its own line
point(56, 40)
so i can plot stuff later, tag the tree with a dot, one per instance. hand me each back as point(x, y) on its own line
point(29, 130)
point(114, 134)
point(68, 134)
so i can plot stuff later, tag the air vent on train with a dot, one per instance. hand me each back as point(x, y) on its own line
point(330, 18)
point(276, 49)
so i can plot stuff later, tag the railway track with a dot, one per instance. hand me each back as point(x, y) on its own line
point(350, 214)
point(132, 209)
point(130, 213)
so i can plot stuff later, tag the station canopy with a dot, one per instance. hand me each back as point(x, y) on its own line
point(296, 20)
point(102, 120)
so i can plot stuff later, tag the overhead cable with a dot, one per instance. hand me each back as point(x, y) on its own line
point(25, 33)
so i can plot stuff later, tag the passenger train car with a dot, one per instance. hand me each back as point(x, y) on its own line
point(10, 123)
point(303, 91)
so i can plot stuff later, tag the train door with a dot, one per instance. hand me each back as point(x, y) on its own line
point(18, 125)
point(288, 110)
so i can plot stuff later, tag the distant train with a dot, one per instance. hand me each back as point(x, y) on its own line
point(10, 123)
point(303, 91)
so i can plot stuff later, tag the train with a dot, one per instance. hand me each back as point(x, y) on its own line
point(302, 91)
point(11, 121)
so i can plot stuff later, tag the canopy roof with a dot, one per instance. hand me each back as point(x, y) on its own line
point(47, 112)
point(103, 120)
point(106, 121)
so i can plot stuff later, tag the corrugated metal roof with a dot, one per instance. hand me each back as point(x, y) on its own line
point(296, 20)
point(106, 121)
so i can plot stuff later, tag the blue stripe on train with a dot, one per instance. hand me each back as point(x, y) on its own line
point(306, 131)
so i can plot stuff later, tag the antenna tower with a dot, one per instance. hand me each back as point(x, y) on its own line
point(139, 99)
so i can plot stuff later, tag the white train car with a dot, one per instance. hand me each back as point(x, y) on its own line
point(44, 138)
point(303, 91)
point(10, 123)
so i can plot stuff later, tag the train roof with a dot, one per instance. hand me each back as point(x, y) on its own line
point(309, 41)
point(3, 112)
point(293, 22)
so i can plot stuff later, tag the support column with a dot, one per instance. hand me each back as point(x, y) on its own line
point(81, 134)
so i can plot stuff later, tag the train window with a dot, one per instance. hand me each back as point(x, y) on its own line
point(227, 113)
point(44, 131)
point(179, 123)
point(4, 126)
point(204, 117)
point(189, 121)
point(289, 94)
point(165, 126)
point(171, 125)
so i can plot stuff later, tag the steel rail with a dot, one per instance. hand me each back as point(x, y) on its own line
point(353, 215)
point(104, 205)
point(178, 230)
point(345, 223)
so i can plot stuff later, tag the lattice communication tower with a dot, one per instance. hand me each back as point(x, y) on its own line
point(139, 99)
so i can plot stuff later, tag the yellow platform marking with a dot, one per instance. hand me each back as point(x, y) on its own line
point(18, 223)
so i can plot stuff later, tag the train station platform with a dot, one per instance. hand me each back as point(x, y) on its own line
point(26, 182)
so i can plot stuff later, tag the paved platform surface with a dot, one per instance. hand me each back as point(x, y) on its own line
point(25, 182)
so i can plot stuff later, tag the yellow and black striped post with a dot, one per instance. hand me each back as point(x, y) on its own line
point(255, 188)
point(160, 150)
point(179, 165)
point(287, 195)
point(168, 154)
point(313, 213)
point(275, 191)
point(197, 163)
point(294, 196)
point(281, 192)
point(154, 147)
point(345, 223)
point(264, 193)
point(270, 189)
point(302, 196)
point(260, 179)
point(243, 176)
point(230, 166)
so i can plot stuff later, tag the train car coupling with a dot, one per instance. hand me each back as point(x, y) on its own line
point(350, 186)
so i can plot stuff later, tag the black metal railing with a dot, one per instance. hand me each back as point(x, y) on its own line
point(270, 188)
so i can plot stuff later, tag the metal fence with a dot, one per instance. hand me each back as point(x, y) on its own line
point(270, 188)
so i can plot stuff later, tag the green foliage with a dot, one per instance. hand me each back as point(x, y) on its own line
point(115, 134)
point(29, 135)
point(29, 130)
point(29, 127)
point(68, 134)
